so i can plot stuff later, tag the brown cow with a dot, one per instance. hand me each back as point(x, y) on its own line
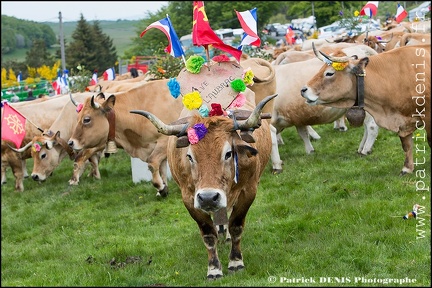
point(399, 103)
point(137, 139)
point(37, 121)
point(221, 171)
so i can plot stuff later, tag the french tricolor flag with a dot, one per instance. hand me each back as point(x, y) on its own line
point(401, 13)
point(174, 47)
point(248, 21)
point(94, 79)
point(370, 9)
point(109, 74)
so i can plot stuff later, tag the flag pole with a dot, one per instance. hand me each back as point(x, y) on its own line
point(208, 56)
point(28, 120)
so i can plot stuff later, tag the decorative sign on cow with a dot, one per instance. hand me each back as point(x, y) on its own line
point(220, 150)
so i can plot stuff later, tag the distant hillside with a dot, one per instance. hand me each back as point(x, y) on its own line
point(121, 31)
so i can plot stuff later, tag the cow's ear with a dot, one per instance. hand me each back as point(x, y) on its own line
point(108, 105)
point(361, 65)
point(248, 150)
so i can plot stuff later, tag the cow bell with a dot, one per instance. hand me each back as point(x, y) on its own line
point(356, 116)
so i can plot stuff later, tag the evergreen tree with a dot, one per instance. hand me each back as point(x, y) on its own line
point(83, 49)
point(107, 53)
point(38, 55)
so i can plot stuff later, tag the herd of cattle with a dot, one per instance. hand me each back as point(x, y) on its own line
point(386, 76)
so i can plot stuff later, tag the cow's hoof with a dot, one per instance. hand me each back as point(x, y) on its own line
point(73, 182)
point(235, 269)
point(276, 171)
point(162, 193)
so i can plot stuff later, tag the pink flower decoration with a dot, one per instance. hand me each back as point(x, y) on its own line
point(79, 107)
point(192, 136)
point(239, 101)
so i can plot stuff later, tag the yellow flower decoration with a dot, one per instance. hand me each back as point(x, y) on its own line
point(339, 66)
point(248, 77)
point(192, 100)
point(356, 13)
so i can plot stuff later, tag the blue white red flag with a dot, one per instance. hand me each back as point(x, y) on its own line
point(109, 74)
point(401, 13)
point(94, 79)
point(248, 21)
point(370, 9)
point(174, 47)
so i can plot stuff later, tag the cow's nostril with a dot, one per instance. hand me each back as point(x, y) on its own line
point(70, 143)
point(35, 177)
point(304, 89)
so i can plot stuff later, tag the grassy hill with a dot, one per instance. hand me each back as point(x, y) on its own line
point(121, 32)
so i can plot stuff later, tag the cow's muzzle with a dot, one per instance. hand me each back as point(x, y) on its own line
point(210, 200)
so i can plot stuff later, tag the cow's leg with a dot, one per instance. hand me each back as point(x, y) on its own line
point(157, 164)
point(80, 163)
point(18, 173)
point(369, 136)
point(304, 135)
point(236, 226)
point(210, 237)
point(407, 146)
point(340, 124)
point(94, 161)
point(279, 139)
point(3, 172)
point(313, 133)
point(26, 175)
point(275, 157)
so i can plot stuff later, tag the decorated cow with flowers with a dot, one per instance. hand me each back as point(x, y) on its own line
point(220, 149)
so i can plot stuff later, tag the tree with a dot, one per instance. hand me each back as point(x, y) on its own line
point(38, 55)
point(90, 47)
point(107, 53)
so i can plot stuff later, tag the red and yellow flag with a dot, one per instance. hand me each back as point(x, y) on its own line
point(203, 35)
point(12, 125)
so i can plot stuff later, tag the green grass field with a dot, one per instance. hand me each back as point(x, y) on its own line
point(332, 218)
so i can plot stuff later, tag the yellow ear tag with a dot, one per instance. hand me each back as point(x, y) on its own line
point(339, 66)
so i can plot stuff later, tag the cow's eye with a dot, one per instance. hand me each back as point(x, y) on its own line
point(329, 74)
point(86, 120)
point(189, 158)
point(228, 155)
point(43, 156)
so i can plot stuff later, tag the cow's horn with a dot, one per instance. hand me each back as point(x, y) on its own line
point(386, 41)
point(94, 104)
point(334, 58)
point(22, 149)
point(161, 126)
point(73, 100)
point(254, 119)
point(319, 56)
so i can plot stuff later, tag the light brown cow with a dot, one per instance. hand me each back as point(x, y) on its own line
point(399, 103)
point(38, 119)
point(139, 140)
point(53, 147)
point(290, 109)
point(221, 171)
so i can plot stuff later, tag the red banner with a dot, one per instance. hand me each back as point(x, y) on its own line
point(203, 35)
point(13, 125)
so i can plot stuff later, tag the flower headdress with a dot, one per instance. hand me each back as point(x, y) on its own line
point(193, 99)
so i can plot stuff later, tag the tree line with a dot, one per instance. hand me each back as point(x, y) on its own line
point(93, 48)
